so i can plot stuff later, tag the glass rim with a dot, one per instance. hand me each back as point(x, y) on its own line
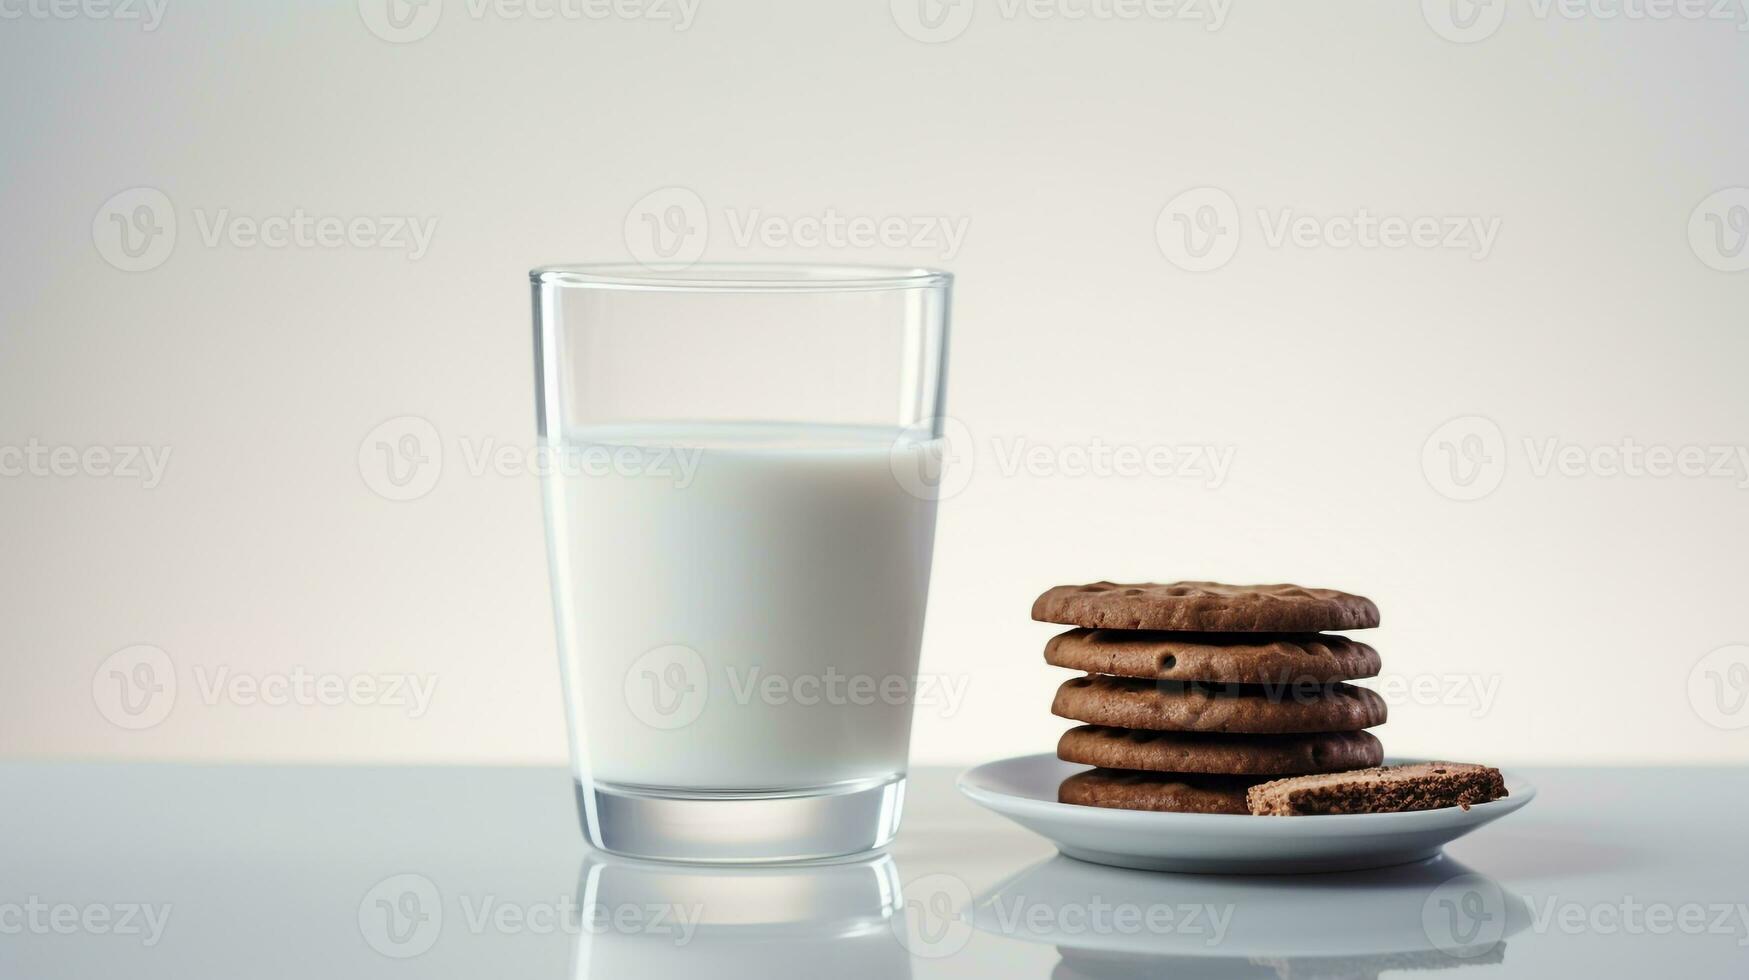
point(740, 277)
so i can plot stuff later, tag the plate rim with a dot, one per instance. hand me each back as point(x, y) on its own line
point(1521, 790)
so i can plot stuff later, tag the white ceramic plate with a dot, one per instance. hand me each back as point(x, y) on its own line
point(1024, 789)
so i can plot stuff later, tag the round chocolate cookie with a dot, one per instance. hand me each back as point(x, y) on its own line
point(1170, 706)
point(1258, 755)
point(1229, 658)
point(1175, 792)
point(1205, 607)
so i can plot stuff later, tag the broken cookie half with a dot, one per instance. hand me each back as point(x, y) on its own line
point(1386, 789)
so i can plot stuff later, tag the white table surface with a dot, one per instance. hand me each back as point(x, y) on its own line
point(257, 871)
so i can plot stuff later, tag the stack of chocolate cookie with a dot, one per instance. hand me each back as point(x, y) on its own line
point(1197, 691)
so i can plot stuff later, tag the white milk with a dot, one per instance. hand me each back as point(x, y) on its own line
point(739, 606)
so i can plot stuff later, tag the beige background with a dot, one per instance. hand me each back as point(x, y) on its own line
point(1584, 601)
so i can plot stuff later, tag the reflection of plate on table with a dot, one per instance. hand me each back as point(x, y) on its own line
point(1024, 789)
point(1114, 922)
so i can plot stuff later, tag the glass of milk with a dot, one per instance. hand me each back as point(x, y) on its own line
point(740, 468)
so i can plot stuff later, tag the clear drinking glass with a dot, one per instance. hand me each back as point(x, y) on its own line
point(741, 464)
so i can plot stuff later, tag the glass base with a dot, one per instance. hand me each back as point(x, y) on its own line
point(819, 823)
